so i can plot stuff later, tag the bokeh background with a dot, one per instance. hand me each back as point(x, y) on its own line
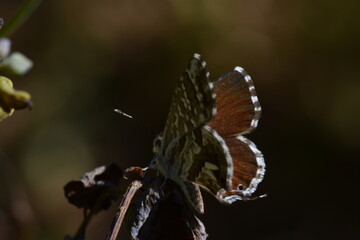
point(93, 56)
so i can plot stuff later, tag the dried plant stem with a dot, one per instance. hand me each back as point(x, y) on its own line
point(124, 205)
point(80, 234)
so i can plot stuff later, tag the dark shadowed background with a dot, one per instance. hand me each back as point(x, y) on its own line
point(93, 56)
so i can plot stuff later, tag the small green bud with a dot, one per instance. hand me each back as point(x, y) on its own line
point(11, 99)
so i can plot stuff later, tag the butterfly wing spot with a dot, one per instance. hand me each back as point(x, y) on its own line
point(239, 69)
point(180, 113)
point(208, 175)
point(240, 187)
point(211, 84)
point(193, 122)
point(197, 56)
point(254, 99)
point(185, 128)
point(157, 144)
point(201, 117)
point(211, 166)
point(176, 122)
point(214, 110)
point(199, 96)
point(257, 109)
point(248, 78)
point(254, 123)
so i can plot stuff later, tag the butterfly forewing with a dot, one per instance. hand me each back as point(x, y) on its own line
point(193, 102)
point(193, 105)
point(238, 108)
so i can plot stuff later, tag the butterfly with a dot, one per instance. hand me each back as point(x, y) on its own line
point(203, 143)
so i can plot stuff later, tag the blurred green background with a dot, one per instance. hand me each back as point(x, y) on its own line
point(93, 56)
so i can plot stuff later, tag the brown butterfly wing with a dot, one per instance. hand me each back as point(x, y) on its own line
point(238, 113)
point(249, 169)
point(238, 108)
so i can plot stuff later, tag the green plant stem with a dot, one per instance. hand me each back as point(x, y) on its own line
point(20, 17)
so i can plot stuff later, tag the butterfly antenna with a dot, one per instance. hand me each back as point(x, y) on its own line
point(137, 120)
point(257, 197)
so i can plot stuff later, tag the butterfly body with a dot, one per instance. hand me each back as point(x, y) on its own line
point(203, 143)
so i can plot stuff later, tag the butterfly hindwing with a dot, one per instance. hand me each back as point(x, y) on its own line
point(229, 168)
point(249, 169)
point(201, 156)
